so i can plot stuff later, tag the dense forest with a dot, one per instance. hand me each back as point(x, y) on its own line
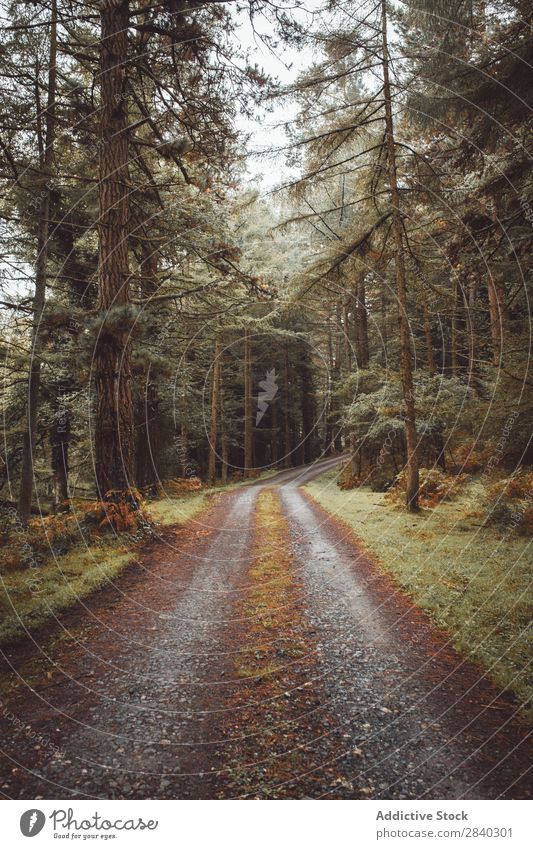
point(148, 288)
point(266, 467)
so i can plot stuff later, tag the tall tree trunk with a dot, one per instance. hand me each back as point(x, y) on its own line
point(429, 340)
point(347, 340)
point(45, 138)
point(224, 436)
point(114, 418)
point(148, 432)
point(498, 315)
point(287, 448)
point(361, 321)
point(470, 303)
point(328, 446)
point(59, 444)
point(184, 449)
point(406, 363)
point(454, 326)
point(384, 323)
point(248, 405)
point(336, 375)
point(308, 406)
point(497, 301)
point(274, 443)
point(215, 404)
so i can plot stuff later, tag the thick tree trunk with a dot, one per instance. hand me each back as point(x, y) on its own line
point(406, 364)
point(114, 418)
point(46, 138)
point(215, 405)
point(248, 405)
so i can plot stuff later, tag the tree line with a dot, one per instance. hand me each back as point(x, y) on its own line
point(148, 292)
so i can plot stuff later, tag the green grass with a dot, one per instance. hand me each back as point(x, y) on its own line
point(475, 582)
point(31, 596)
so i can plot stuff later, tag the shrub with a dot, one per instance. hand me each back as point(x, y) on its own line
point(122, 511)
point(509, 502)
point(381, 479)
point(347, 479)
point(180, 486)
point(469, 458)
point(435, 486)
point(517, 487)
point(31, 545)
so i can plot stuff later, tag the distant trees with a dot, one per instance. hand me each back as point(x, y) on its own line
point(399, 156)
point(393, 269)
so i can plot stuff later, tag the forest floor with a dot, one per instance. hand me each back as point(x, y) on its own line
point(258, 652)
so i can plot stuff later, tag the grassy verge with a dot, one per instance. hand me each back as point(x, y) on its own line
point(274, 694)
point(475, 582)
point(181, 509)
point(29, 597)
point(32, 595)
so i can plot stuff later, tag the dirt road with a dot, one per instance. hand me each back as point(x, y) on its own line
point(255, 653)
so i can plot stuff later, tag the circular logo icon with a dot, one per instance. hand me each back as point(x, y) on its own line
point(32, 822)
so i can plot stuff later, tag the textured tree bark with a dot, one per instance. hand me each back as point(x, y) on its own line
point(406, 364)
point(248, 405)
point(46, 139)
point(215, 404)
point(114, 419)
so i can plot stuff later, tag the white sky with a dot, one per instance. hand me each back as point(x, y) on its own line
point(284, 66)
